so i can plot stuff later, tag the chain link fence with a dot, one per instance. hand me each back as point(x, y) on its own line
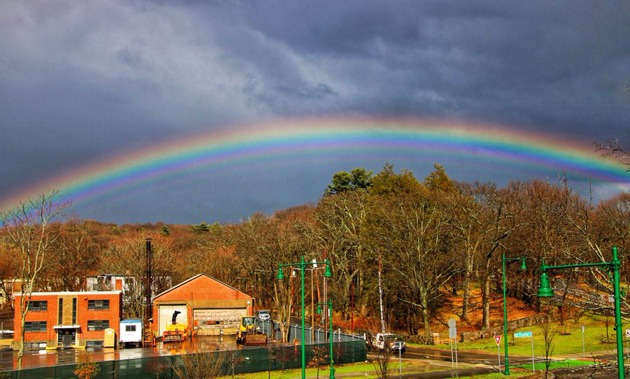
point(346, 349)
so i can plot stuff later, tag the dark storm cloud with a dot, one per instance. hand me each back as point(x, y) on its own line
point(87, 80)
point(536, 63)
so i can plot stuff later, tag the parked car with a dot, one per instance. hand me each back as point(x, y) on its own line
point(263, 315)
point(399, 347)
point(385, 341)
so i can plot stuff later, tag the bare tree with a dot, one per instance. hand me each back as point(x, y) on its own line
point(127, 256)
point(549, 333)
point(320, 357)
point(264, 242)
point(199, 365)
point(340, 219)
point(9, 268)
point(27, 230)
point(411, 226)
point(499, 221)
point(614, 149)
point(76, 244)
point(469, 231)
point(382, 361)
point(233, 359)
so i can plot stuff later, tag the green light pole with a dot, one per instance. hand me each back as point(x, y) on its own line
point(302, 265)
point(319, 310)
point(505, 329)
point(614, 265)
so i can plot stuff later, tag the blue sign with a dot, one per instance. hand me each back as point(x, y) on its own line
point(522, 334)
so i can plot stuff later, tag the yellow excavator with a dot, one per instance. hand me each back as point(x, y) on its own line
point(249, 333)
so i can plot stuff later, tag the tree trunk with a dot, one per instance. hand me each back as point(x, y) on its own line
point(284, 312)
point(22, 333)
point(485, 323)
point(426, 318)
point(467, 279)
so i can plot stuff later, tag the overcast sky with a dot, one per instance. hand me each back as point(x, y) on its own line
point(85, 81)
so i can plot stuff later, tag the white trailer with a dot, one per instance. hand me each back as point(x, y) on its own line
point(131, 332)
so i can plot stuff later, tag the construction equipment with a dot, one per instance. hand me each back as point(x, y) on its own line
point(174, 332)
point(249, 333)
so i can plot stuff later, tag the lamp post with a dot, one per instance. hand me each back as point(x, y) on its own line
point(505, 333)
point(302, 265)
point(319, 310)
point(614, 265)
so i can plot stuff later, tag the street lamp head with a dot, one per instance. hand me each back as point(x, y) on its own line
point(523, 266)
point(545, 291)
point(280, 276)
point(328, 273)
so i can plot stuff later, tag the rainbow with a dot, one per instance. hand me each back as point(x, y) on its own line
point(300, 141)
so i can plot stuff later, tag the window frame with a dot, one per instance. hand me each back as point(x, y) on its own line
point(98, 305)
point(36, 306)
point(28, 326)
point(96, 325)
point(93, 345)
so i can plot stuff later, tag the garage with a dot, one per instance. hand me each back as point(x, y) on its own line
point(166, 312)
point(218, 318)
point(207, 304)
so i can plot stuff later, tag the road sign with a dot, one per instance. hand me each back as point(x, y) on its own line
point(522, 334)
point(451, 323)
point(452, 333)
point(498, 339)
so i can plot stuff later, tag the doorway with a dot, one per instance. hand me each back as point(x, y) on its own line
point(66, 337)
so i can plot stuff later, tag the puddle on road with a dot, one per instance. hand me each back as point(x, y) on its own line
point(40, 358)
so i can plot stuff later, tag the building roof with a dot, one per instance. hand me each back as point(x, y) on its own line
point(131, 321)
point(68, 293)
point(194, 278)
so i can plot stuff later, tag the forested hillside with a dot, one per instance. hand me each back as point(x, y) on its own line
point(430, 238)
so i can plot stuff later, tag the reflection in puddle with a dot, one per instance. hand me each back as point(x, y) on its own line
point(53, 357)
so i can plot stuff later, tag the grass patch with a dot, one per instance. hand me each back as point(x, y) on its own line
point(351, 368)
point(296, 373)
point(538, 366)
point(496, 375)
point(570, 343)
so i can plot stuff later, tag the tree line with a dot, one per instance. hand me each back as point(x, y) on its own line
point(425, 238)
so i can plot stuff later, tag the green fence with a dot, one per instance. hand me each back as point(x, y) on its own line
point(241, 361)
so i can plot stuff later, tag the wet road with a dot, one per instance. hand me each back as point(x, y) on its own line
point(41, 358)
point(462, 356)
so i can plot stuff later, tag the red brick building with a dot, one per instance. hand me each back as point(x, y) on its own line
point(68, 319)
point(207, 304)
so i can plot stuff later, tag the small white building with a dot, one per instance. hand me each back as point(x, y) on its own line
point(131, 332)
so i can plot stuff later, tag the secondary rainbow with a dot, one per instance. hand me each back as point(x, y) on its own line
point(302, 140)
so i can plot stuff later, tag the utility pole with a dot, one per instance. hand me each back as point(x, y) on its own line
point(352, 306)
point(147, 339)
point(325, 294)
point(614, 266)
point(302, 266)
point(380, 291)
point(313, 303)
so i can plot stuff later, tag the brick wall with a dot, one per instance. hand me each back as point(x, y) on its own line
point(201, 292)
point(83, 315)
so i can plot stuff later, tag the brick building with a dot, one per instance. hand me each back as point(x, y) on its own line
point(68, 319)
point(207, 304)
